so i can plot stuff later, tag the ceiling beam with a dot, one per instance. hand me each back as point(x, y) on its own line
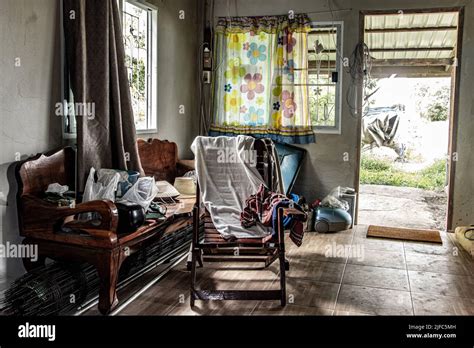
point(409, 71)
point(401, 49)
point(406, 30)
point(412, 62)
point(411, 49)
point(396, 12)
point(445, 63)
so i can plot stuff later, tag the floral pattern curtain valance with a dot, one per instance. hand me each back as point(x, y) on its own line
point(260, 82)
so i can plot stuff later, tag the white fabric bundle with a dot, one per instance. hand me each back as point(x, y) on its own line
point(227, 176)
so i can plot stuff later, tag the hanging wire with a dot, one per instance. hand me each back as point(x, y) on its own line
point(360, 67)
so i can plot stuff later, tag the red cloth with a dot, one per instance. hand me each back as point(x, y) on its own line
point(259, 208)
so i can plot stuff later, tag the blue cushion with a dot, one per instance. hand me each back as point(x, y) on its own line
point(291, 159)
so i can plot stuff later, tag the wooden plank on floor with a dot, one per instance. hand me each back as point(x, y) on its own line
point(412, 234)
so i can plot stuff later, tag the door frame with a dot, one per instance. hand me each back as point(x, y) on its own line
point(453, 117)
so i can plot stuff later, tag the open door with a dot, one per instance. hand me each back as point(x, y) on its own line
point(408, 104)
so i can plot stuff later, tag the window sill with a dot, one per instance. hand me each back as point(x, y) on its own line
point(147, 131)
point(327, 131)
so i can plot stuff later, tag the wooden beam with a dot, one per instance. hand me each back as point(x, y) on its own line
point(401, 49)
point(396, 12)
point(407, 30)
point(411, 49)
point(412, 62)
point(402, 67)
point(409, 71)
point(453, 122)
point(359, 92)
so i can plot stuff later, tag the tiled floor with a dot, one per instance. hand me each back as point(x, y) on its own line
point(338, 274)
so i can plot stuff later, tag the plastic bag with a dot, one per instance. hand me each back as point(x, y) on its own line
point(57, 188)
point(104, 188)
point(332, 200)
point(142, 192)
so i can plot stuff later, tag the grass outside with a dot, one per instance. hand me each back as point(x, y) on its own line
point(380, 172)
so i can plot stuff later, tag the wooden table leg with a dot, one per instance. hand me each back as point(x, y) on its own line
point(108, 265)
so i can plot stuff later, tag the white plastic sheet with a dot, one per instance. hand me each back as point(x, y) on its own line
point(142, 192)
point(332, 200)
point(104, 188)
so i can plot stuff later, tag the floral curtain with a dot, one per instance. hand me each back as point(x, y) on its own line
point(260, 82)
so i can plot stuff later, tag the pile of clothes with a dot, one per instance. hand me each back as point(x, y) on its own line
point(263, 206)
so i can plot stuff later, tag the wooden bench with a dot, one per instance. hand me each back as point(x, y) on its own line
point(43, 223)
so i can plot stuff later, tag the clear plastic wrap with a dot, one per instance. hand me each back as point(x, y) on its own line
point(332, 200)
point(142, 192)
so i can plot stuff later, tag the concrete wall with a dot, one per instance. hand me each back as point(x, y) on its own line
point(177, 73)
point(325, 166)
point(28, 31)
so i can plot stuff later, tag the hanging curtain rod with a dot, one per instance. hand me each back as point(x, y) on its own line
point(285, 14)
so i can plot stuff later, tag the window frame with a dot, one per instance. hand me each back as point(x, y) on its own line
point(152, 68)
point(336, 129)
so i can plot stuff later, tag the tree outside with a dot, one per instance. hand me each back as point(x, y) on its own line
point(135, 37)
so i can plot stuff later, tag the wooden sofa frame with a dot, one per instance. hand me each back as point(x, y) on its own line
point(42, 223)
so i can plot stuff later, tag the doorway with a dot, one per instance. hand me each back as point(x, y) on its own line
point(409, 117)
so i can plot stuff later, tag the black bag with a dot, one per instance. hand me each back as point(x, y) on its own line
point(131, 216)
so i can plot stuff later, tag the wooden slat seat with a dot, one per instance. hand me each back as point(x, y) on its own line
point(212, 236)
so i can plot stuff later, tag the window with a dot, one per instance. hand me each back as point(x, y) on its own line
point(324, 83)
point(140, 38)
point(140, 23)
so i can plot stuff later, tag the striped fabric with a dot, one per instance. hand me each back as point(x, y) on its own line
point(262, 208)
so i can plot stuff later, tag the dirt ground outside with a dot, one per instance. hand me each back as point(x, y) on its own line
point(402, 207)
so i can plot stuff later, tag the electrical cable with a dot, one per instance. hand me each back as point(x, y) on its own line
point(360, 66)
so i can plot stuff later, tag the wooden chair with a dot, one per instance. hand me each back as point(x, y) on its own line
point(214, 248)
point(160, 159)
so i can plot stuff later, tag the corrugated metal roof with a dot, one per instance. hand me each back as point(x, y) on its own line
point(390, 40)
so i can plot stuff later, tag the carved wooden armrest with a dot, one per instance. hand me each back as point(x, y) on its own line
point(40, 215)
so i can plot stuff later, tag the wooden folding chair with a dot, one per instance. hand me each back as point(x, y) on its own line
point(214, 248)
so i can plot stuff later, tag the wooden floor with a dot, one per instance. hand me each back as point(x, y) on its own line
point(338, 274)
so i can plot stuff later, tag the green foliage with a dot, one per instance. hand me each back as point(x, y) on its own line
point(433, 101)
point(370, 86)
point(322, 100)
point(379, 172)
point(437, 112)
point(135, 41)
point(372, 164)
point(138, 77)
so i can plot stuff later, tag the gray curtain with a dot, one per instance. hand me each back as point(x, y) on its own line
point(95, 57)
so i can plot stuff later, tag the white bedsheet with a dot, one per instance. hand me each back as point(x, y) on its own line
point(227, 175)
